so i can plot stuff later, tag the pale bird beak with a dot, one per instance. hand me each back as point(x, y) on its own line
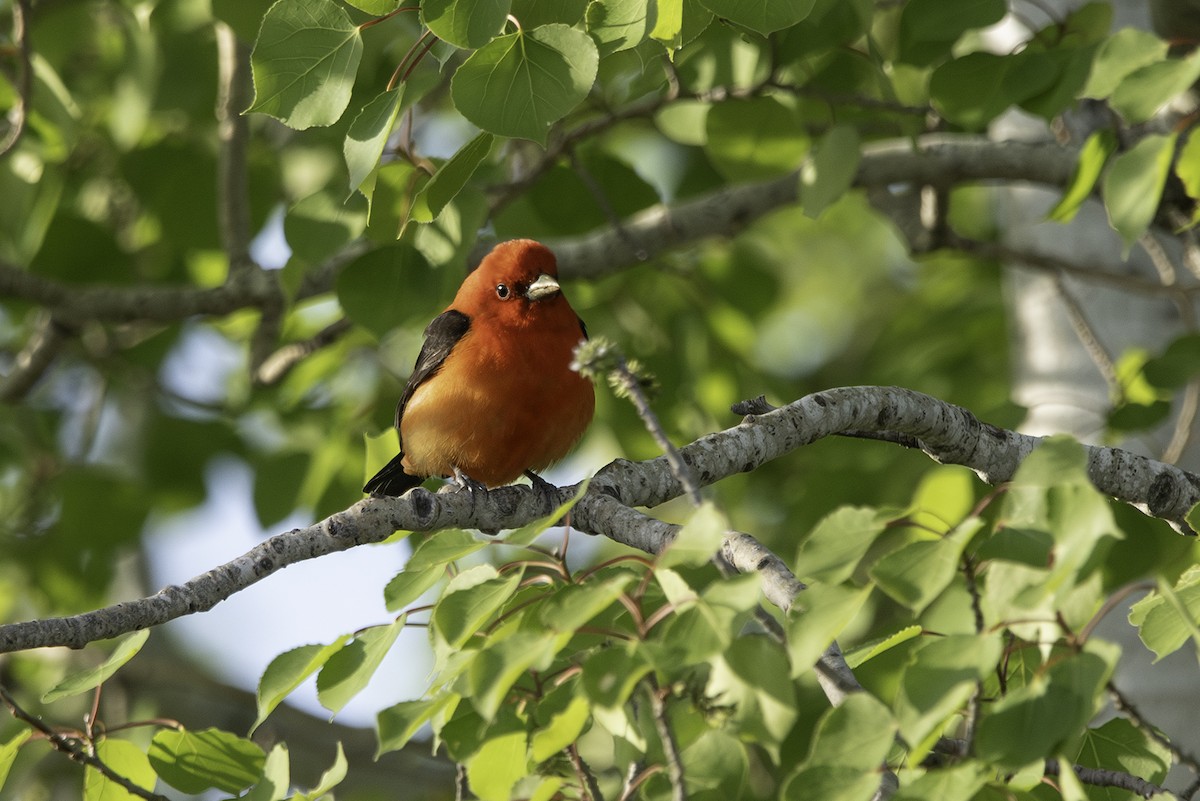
point(543, 287)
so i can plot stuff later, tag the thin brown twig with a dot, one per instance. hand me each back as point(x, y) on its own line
point(1087, 336)
point(73, 749)
point(670, 746)
point(587, 780)
point(18, 115)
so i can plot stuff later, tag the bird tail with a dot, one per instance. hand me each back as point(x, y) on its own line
point(392, 479)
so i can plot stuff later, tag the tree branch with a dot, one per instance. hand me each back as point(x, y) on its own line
point(937, 159)
point(947, 433)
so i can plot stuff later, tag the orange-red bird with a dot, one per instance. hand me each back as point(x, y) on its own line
point(493, 394)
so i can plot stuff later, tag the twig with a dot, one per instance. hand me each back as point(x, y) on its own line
point(281, 362)
point(73, 749)
point(1123, 705)
point(1099, 777)
point(632, 385)
point(233, 135)
point(44, 345)
point(1087, 336)
point(670, 746)
point(18, 115)
point(587, 779)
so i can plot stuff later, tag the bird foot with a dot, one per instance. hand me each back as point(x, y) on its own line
point(545, 490)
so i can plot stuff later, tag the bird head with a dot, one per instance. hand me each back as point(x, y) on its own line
point(515, 284)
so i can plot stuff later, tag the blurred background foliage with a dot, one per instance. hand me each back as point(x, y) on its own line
point(114, 183)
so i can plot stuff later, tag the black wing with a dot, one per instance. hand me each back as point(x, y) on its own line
point(441, 335)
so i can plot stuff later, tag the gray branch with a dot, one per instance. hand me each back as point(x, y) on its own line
point(947, 433)
point(938, 159)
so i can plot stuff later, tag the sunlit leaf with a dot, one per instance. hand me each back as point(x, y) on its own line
point(369, 133)
point(193, 762)
point(287, 671)
point(346, 672)
point(304, 62)
point(465, 23)
point(450, 178)
point(126, 760)
point(92, 678)
point(521, 83)
point(1134, 183)
point(762, 16)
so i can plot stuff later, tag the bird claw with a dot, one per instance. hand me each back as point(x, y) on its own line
point(545, 490)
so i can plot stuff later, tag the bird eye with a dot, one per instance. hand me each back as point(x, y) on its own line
point(502, 291)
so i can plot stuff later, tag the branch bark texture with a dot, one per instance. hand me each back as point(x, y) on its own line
point(946, 432)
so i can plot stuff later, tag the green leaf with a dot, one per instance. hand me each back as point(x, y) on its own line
point(954, 783)
point(1143, 92)
point(1134, 183)
point(369, 133)
point(752, 676)
point(873, 648)
point(698, 540)
point(320, 225)
point(1035, 721)
point(973, 90)
point(917, 573)
point(375, 7)
point(819, 615)
point(376, 289)
point(831, 171)
point(1092, 158)
point(939, 680)
point(576, 604)
point(409, 585)
point(304, 62)
point(450, 178)
point(287, 671)
point(347, 672)
point(93, 677)
point(620, 24)
point(858, 734)
point(518, 85)
point(397, 724)
point(929, 27)
point(754, 138)
point(276, 777)
point(611, 674)
point(1166, 619)
point(1126, 51)
point(762, 16)
point(1119, 742)
point(193, 762)
point(498, 665)
point(497, 765)
point(833, 549)
point(127, 761)
point(1178, 364)
point(563, 729)
point(830, 783)
point(443, 547)
point(9, 751)
point(1188, 165)
point(468, 24)
point(329, 779)
point(465, 606)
